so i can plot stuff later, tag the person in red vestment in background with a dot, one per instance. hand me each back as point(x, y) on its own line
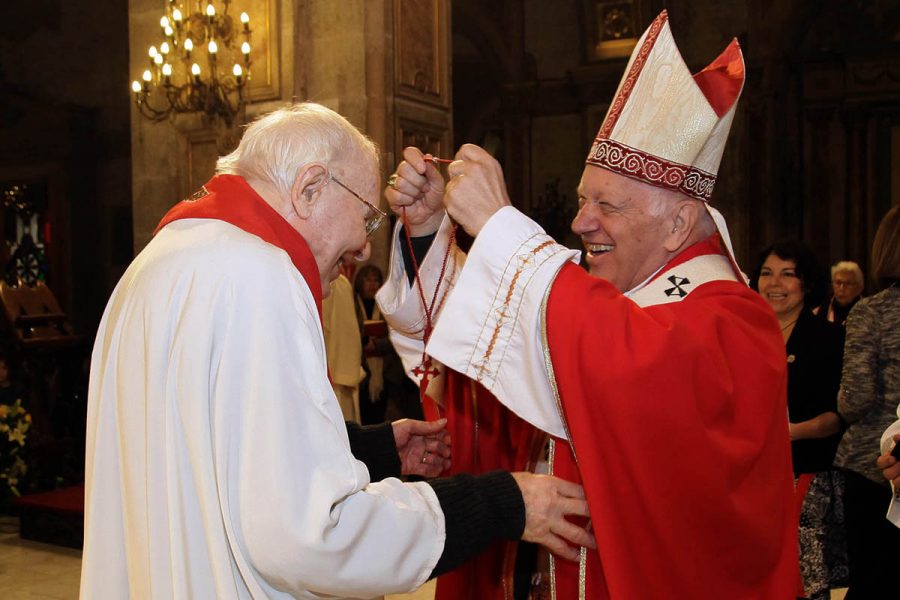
point(659, 374)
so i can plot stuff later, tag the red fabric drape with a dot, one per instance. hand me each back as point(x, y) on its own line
point(677, 414)
point(485, 437)
point(230, 198)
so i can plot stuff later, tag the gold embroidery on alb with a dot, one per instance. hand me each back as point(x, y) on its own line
point(551, 454)
point(582, 574)
point(551, 377)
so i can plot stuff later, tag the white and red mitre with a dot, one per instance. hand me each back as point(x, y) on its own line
point(668, 128)
point(665, 126)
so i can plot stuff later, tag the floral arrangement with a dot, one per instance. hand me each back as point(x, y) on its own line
point(14, 425)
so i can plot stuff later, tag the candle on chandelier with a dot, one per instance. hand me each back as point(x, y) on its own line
point(167, 73)
point(195, 71)
point(176, 16)
point(238, 72)
point(136, 87)
point(188, 46)
point(213, 47)
point(245, 49)
point(211, 12)
point(164, 48)
point(245, 19)
point(147, 76)
point(158, 60)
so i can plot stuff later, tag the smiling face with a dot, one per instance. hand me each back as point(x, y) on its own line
point(623, 226)
point(336, 227)
point(780, 285)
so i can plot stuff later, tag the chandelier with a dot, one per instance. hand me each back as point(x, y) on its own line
point(202, 65)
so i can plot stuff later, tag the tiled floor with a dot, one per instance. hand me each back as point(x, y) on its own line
point(33, 571)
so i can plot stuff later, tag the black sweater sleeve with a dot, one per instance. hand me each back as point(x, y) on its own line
point(420, 246)
point(375, 446)
point(478, 510)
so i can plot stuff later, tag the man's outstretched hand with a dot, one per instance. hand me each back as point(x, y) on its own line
point(547, 502)
point(424, 447)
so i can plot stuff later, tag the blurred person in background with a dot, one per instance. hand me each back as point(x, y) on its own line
point(847, 284)
point(791, 280)
point(870, 393)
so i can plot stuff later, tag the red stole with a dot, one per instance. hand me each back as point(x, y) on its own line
point(677, 414)
point(486, 436)
point(230, 198)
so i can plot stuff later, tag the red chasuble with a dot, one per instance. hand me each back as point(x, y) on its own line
point(230, 198)
point(677, 416)
point(486, 436)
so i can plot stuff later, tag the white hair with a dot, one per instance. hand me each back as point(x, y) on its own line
point(662, 201)
point(848, 266)
point(276, 145)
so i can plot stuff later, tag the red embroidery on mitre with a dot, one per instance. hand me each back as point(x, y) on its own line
point(634, 163)
point(640, 59)
point(721, 82)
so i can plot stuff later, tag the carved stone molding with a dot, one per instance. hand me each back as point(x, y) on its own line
point(860, 80)
point(423, 129)
point(265, 80)
point(421, 65)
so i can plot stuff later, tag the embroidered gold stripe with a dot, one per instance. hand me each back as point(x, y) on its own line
point(551, 377)
point(551, 454)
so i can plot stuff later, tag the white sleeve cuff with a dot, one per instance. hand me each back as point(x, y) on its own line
point(491, 327)
point(401, 303)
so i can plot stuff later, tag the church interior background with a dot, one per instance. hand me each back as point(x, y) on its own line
point(814, 151)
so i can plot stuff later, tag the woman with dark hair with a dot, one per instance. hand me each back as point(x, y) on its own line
point(790, 279)
point(870, 393)
point(386, 393)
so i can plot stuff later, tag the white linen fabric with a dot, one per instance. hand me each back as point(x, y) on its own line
point(504, 292)
point(218, 463)
point(494, 332)
point(887, 444)
point(401, 304)
point(523, 386)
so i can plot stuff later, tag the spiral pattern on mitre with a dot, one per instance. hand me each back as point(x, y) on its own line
point(635, 164)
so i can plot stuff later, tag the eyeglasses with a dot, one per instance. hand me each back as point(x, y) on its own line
point(376, 216)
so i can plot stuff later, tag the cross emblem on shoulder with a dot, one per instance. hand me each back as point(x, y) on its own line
point(198, 195)
point(677, 283)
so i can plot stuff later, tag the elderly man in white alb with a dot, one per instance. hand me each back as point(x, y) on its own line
point(659, 374)
point(218, 464)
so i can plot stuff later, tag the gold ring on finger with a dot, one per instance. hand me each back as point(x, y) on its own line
point(392, 181)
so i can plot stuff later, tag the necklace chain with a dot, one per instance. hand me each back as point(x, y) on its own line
point(789, 324)
point(428, 307)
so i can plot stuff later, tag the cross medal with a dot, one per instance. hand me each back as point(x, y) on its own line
point(425, 372)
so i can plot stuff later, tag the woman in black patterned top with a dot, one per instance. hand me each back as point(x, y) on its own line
point(870, 392)
point(791, 280)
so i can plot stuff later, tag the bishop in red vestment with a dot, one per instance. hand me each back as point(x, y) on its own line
point(659, 374)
